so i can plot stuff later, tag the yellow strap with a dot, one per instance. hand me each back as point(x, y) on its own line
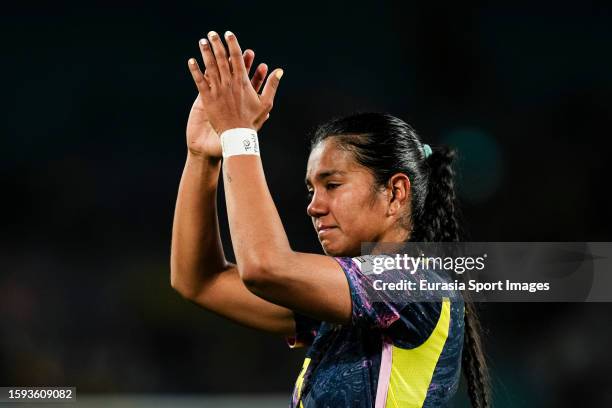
point(412, 369)
point(300, 380)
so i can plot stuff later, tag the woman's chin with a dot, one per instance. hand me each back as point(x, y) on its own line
point(334, 249)
point(330, 249)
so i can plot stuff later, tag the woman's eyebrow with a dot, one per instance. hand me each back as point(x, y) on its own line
point(325, 174)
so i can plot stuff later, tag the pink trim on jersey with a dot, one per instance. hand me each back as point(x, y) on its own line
point(384, 374)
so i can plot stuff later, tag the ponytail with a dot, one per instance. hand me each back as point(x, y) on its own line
point(438, 221)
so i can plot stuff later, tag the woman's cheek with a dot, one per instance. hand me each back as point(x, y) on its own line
point(344, 205)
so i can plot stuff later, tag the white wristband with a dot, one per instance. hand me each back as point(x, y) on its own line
point(239, 141)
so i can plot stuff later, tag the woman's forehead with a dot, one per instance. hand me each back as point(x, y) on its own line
point(326, 159)
point(326, 154)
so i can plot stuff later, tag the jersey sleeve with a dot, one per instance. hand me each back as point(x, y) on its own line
point(399, 313)
point(306, 330)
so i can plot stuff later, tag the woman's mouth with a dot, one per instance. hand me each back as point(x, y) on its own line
point(325, 230)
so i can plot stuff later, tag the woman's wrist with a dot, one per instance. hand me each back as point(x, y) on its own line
point(235, 125)
point(239, 141)
point(203, 158)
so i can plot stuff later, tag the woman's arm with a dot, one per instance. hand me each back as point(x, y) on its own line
point(312, 284)
point(199, 270)
point(196, 251)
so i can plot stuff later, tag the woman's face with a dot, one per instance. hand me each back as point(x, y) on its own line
point(344, 207)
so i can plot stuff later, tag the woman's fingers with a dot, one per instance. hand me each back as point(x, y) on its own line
point(260, 73)
point(249, 57)
point(197, 75)
point(221, 69)
point(239, 69)
point(212, 71)
point(220, 55)
point(267, 95)
point(259, 76)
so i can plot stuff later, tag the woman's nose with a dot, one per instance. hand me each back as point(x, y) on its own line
point(317, 206)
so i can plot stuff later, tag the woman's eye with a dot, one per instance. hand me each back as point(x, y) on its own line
point(328, 186)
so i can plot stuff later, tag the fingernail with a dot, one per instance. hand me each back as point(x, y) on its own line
point(203, 41)
point(192, 61)
point(212, 34)
point(228, 34)
point(279, 74)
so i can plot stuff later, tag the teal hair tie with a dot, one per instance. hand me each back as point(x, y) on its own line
point(426, 150)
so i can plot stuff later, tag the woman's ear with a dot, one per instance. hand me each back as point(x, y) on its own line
point(399, 197)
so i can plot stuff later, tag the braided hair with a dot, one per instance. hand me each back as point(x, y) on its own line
point(387, 145)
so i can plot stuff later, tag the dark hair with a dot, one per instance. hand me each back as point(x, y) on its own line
point(387, 145)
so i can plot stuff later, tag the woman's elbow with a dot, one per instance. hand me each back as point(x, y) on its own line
point(180, 288)
point(252, 276)
point(179, 285)
point(263, 268)
point(257, 274)
point(175, 276)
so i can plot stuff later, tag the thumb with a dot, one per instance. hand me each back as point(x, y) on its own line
point(269, 91)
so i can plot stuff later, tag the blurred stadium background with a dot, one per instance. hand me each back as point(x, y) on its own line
point(96, 101)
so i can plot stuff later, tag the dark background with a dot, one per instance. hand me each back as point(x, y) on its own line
point(95, 103)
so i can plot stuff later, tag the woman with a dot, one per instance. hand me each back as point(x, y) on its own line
point(370, 180)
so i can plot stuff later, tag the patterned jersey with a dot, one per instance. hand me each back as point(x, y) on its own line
point(395, 352)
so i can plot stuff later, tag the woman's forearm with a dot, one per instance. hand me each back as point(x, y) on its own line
point(197, 251)
point(258, 235)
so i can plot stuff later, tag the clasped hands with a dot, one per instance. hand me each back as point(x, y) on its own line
point(229, 97)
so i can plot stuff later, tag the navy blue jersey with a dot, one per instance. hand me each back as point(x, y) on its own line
point(395, 352)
